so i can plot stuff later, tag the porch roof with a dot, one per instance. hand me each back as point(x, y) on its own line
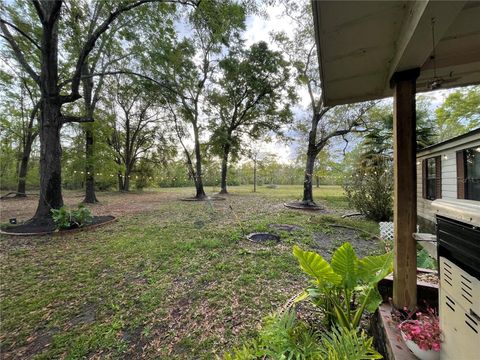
point(361, 44)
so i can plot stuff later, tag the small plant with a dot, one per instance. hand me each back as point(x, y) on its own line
point(286, 337)
point(347, 286)
point(67, 219)
point(424, 330)
point(343, 343)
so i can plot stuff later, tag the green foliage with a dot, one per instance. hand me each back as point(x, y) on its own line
point(345, 344)
point(424, 260)
point(285, 337)
point(347, 286)
point(369, 188)
point(66, 219)
point(459, 113)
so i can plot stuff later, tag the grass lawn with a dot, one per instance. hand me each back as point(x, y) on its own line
point(169, 280)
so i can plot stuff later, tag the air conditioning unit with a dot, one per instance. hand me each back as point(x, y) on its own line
point(458, 239)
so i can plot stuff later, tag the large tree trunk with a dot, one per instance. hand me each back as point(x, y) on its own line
point(200, 192)
point(223, 186)
point(51, 121)
point(307, 182)
point(90, 196)
point(50, 161)
point(22, 173)
point(312, 152)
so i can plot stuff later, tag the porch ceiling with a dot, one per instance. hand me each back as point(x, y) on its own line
point(361, 44)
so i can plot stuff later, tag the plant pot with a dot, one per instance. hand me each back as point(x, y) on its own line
point(420, 353)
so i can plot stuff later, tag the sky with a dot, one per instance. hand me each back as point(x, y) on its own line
point(259, 29)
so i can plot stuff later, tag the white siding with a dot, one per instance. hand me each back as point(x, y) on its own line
point(449, 172)
point(449, 175)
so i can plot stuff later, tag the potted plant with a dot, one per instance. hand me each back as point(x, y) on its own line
point(423, 335)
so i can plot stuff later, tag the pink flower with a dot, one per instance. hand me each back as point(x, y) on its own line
point(424, 331)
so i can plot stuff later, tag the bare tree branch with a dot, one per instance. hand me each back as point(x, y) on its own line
point(22, 33)
point(18, 52)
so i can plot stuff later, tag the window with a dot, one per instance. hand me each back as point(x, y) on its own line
point(432, 178)
point(472, 173)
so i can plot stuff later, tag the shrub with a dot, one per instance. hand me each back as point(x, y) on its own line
point(285, 337)
point(347, 286)
point(369, 189)
point(66, 219)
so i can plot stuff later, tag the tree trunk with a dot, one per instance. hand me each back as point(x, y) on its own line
point(223, 186)
point(200, 192)
point(255, 175)
point(126, 181)
point(307, 182)
point(22, 173)
point(317, 178)
point(90, 196)
point(50, 123)
point(50, 161)
point(120, 181)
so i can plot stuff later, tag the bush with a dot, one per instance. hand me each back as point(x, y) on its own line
point(285, 337)
point(67, 219)
point(369, 189)
point(347, 286)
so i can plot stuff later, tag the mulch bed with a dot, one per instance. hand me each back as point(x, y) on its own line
point(297, 205)
point(31, 229)
point(208, 198)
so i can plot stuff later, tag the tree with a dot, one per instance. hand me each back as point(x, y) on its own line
point(249, 100)
point(135, 129)
point(321, 129)
point(459, 113)
point(20, 101)
point(54, 93)
point(214, 25)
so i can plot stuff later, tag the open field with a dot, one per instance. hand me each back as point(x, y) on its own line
point(169, 280)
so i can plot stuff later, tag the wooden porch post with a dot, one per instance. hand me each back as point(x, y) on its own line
point(405, 188)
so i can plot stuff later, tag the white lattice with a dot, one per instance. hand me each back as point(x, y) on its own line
point(386, 230)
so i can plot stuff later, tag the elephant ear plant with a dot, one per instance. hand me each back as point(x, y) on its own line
point(347, 286)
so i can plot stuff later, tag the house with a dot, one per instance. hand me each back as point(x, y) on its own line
point(449, 170)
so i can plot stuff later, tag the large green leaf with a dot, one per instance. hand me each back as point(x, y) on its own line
point(372, 269)
point(344, 263)
point(374, 298)
point(316, 266)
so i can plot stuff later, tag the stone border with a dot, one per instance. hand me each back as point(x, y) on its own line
point(62, 232)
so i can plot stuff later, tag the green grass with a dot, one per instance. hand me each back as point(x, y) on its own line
point(175, 282)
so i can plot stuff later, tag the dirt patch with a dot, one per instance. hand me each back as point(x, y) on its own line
point(86, 316)
point(45, 228)
point(112, 203)
point(327, 242)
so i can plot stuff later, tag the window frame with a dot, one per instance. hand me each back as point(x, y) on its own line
point(466, 177)
point(428, 180)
